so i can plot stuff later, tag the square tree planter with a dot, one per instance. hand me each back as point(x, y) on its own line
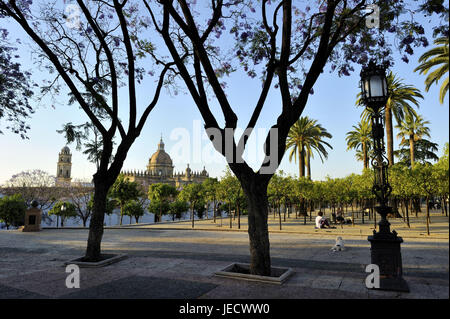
point(242, 271)
point(107, 259)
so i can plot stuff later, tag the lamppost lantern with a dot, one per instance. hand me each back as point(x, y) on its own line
point(374, 90)
point(385, 245)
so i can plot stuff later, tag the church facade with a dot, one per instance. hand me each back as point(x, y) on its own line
point(160, 169)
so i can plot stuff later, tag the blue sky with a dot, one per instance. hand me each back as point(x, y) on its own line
point(332, 104)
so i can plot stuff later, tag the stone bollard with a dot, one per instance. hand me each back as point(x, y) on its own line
point(33, 218)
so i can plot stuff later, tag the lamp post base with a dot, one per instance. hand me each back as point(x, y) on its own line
point(385, 253)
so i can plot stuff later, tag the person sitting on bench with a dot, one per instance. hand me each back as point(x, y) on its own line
point(321, 221)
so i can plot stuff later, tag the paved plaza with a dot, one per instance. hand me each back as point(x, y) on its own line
point(174, 261)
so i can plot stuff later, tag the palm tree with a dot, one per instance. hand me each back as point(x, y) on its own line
point(360, 139)
point(424, 152)
point(439, 57)
point(400, 102)
point(304, 137)
point(411, 130)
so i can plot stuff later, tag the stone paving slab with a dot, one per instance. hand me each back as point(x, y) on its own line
point(140, 287)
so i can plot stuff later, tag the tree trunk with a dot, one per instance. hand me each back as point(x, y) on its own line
point(256, 193)
point(389, 136)
point(308, 166)
point(301, 163)
point(366, 161)
point(428, 216)
point(192, 214)
point(121, 213)
point(239, 216)
point(229, 213)
point(279, 214)
point(407, 214)
point(411, 150)
point(93, 250)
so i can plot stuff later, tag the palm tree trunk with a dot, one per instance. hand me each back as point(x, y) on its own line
point(389, 136)
point(301, 163)
point(308, 166)
point(366, 162)
point(411, 150)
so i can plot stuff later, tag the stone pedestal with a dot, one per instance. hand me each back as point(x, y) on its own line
point(33, 218)
point(385, 252)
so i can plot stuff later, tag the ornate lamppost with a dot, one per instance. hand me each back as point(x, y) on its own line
point(385, 245)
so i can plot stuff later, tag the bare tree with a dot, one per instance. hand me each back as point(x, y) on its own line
point(92, 55)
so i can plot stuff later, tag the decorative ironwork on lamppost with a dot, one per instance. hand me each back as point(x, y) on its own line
point(385, 245)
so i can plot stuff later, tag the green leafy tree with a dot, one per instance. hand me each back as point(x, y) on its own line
point(134, 209)
point(193, 194)
point(162, 194)
point(158, 208)
point(12, 210)
point(63, 210)
point(436, 57)
point(177, 208)
point(123, 191)
point(275, 193)
point(427, 182)
point(403, 184)
point(229, 192)
point(442, 175)
point(210, 186)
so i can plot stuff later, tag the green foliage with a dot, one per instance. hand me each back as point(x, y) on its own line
point(411, 130)
point(12, 210)
point(123, 191)
point(63, 210)
point(192, 194)
point(133, 209)
point(161, 192)
point(160, 196)
point(177, 208)
point(361, 140)
point(424, 151)
point(110, 204)
point(436, 57)
point(210, 186)
point(305, 137)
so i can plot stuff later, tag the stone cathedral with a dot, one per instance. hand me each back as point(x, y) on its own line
point(160, 170)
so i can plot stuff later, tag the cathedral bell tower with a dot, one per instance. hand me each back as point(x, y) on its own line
point(64, 167)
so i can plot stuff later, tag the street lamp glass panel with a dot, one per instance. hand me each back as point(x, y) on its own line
point(366, 87)
point(376, 86)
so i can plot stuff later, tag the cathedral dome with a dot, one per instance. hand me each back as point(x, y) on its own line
point(160, 157)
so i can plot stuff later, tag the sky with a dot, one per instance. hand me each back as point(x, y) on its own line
point(178, 121)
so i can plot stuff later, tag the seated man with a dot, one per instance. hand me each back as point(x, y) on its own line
point(321, 221)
